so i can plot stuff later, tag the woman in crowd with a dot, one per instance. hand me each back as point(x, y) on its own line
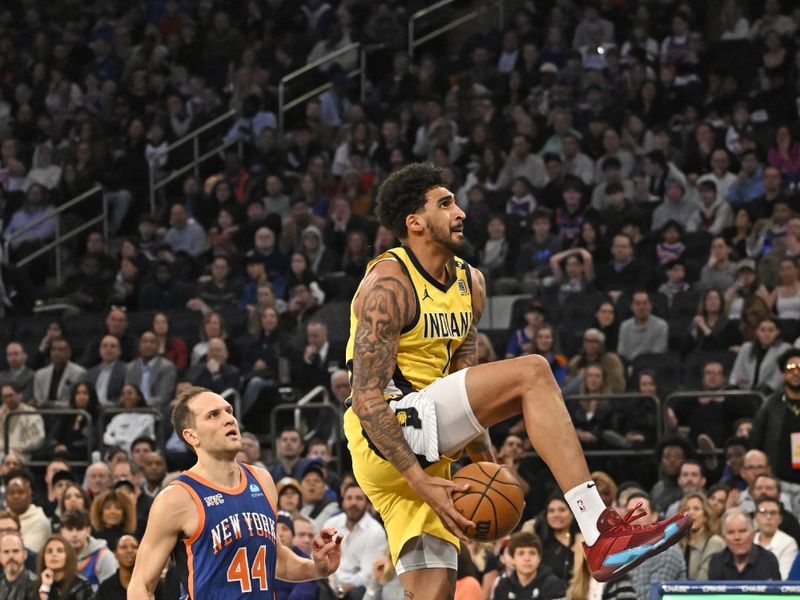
point(605, 319)
point(746, 287)
point(756, 366)
point(172, 348)
point(717, 500)
point(57, 572)
point(591, 415)
point(289, 496)
point(544, 344)
point(711, 328)
point(112, 515)
point(577, 273)
point(785, 298)
point(703, 540)
point(211, 327)
point(73, 498)
point(72, 432)
point(556, 527)
point(116, 586)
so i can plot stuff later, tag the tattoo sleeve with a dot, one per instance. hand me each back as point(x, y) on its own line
point(385, 310)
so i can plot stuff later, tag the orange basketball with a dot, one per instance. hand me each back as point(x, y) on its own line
point(494, 501)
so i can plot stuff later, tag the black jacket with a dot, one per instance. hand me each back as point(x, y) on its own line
point(766, 435)
point(80, 589)
point(22, 588)
point(545, 586)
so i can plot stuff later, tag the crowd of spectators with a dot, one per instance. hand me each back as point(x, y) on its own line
point(630, 169)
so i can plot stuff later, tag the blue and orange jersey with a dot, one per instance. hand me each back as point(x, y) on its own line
point(233, 551)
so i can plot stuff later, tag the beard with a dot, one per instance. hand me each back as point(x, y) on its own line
point(794, 388)
point(461, 248)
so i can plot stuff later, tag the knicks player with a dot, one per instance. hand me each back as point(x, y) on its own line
point(219, 517)
point(419, 397)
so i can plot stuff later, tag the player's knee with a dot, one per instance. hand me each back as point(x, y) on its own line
point(536, 368)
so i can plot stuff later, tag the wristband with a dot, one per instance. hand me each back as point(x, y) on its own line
point(44, 589)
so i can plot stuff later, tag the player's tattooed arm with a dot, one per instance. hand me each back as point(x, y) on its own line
point(382, 312)
point(467, 353)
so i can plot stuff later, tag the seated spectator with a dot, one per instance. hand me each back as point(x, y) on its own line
point(757, 366)
point(96, 562)
point(125, 427)
point(671, 453)
point(215, 373)
point(164, 291)
point(556, 528)
point(36, 206)
point(155, 469)
point(785, 154)
point(300, 273)
point(711, 328)
point(87, 289)
point(691, 481)
point(317, 506)
point(577, 273)
point(719, 272)
point(768, 517)
point(676, 207)
point(25, 432)
point(212, 326)
point(219, 292)
point(745, 287)
point(605, 321)
point(676, 280)
point(116, 586)
point(624, 273)
point(521, 203)
point(591, 416)
point(670, 248)
point(522, 162)
point(260, 356)
point(643, 332)
point(289, 496)
point(108, 376)
point(62, 575)
point(74, 497)
point(593, 352)
point(533, 261)
point(702, 542)
point(715, 214)
point(53, 384)
point(748, 185)
point(17, 581)
point(72, 432)
point(496, 256)
point(319, 358)
point(185, 234)
point(529, 575)
point(113, 514)
point(364, 541)
point(34, 524)
point(152, 374)
point(618, 208)
point(172, 348)
point(742, 560)
point(521, 341)
point(785, 298)
point(97, 478)
point(545, 344)
point(18, 372)
point(304, 590)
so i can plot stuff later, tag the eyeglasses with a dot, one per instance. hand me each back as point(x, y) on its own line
point(768, 513)
point(792, 366)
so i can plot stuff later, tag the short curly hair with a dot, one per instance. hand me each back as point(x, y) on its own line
point(403, 194)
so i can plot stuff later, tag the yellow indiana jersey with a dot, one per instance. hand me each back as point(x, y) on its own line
point(440, 324)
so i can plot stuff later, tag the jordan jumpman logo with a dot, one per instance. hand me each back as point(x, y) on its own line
point(427, 295)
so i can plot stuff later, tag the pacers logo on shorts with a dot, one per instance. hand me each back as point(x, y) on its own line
point(401, 418)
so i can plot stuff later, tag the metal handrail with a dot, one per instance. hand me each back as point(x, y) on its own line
point(336, 433)
point(106, 413)
point(196, 132)
point(306, 400)
point(660, 416)
point(59, 237)
point(283, 106)
point(42, 412)
point(194, 137)
point(236, 403)
point(412, 21)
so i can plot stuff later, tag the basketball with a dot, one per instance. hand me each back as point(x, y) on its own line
point(494, 501)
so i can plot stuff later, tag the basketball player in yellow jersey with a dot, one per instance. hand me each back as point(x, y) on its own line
point(419, 397)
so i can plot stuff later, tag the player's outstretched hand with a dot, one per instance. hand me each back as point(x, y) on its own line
point(436, 492)
point(326, 551)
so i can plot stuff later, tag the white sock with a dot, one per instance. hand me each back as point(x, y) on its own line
point(586, 504)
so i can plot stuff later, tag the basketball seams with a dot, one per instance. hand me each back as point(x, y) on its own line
point(470, 507)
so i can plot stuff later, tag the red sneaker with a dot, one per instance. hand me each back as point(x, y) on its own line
point(622, 546)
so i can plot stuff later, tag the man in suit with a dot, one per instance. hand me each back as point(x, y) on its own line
point(153, 374)
point(18, 371)
point(318, 360)
point(116, 325)
point(108, 376)
point(53, 384)
point(215, 373)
